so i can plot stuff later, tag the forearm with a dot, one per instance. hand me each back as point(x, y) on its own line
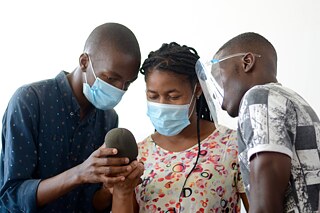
point(54, 187)
point(123, 204)
point(245, 201)
point(264, 203)
point(102, 199)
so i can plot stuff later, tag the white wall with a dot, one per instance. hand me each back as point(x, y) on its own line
point(40, 38)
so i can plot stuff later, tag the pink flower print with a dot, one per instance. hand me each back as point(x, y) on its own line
point(191, 155)
point(168, 184)
point(203, 152)
point(220, 191)
point(178, 167)
point(213, 145)
point(204, 202)
point(160, 179)
point(201, 210)
point(214, 159)
point(172, 202)
point(220, 169)
point(169, 176)
point(152, 208)
point(201, 183)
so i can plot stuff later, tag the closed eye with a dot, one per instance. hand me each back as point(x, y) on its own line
point(152, 97)
point(173, 97)
point(112, 79)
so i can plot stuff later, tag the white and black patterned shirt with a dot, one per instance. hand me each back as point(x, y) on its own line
point(274, 118)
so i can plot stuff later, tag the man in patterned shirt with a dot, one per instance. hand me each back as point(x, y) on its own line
point(278, 132)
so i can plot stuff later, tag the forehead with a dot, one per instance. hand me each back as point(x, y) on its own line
point(116, 62)
point(221, 54)
point(159, 80)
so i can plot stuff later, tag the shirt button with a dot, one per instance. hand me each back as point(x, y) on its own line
point(71, 114)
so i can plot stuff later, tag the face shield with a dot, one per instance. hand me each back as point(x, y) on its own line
point(211, 89)
point(210, 78)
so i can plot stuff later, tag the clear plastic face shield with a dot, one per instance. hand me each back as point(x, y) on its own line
point(210, 78)
point(211, 89)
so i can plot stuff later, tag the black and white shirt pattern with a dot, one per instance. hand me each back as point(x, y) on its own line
point(274, 118)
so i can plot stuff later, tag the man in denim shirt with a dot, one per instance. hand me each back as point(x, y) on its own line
point(52, 157)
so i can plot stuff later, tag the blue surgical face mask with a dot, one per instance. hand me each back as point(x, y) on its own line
point(169, 119)
point(102, 95)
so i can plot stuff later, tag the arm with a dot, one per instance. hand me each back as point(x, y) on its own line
point(245, 201)
point(103, 197)
point(269, 178)
point(124, 199)
point(96, 169)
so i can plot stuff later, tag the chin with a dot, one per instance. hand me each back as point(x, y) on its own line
point(233, 115)
point(232, 112)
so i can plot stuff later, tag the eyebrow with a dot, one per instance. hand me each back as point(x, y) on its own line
point(170, 91)
point(120, 77)
point(114, 73)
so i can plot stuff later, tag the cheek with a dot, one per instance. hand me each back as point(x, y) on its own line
point(232, 93)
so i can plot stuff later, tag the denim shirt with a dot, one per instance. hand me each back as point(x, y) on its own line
point(43, 136)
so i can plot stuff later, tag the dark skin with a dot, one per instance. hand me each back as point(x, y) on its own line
point(269, 171)
point(162, 87)
point(118, 69)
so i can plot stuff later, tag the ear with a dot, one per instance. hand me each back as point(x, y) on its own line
point(198, 90)
point(83, 61)
point(248, 60)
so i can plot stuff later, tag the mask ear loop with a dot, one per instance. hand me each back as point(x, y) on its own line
point(195, 103)
point(85, 77)
point(91, 67)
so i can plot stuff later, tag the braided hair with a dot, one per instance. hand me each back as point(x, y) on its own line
point(178, 59)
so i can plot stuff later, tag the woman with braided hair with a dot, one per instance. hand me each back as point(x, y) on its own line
point(191, 164)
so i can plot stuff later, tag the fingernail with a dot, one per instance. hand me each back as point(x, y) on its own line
point(127, 160)
point(115, 151)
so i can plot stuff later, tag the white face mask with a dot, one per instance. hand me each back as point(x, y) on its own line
point(102, 95)
point(169, 119)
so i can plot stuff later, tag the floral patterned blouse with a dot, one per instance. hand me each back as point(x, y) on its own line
point(213, 185)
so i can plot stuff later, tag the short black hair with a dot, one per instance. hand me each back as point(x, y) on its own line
point(179, 59)
point(249, 41)
point(112, 35)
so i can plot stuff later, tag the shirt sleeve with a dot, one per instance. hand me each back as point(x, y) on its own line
point(19, 152)
point(266, 122)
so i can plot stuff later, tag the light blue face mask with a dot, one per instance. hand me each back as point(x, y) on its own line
point(169, 119)
point(102, 95)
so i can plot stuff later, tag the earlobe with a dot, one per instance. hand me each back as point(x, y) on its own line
point(83, 61)
point(248, 61)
